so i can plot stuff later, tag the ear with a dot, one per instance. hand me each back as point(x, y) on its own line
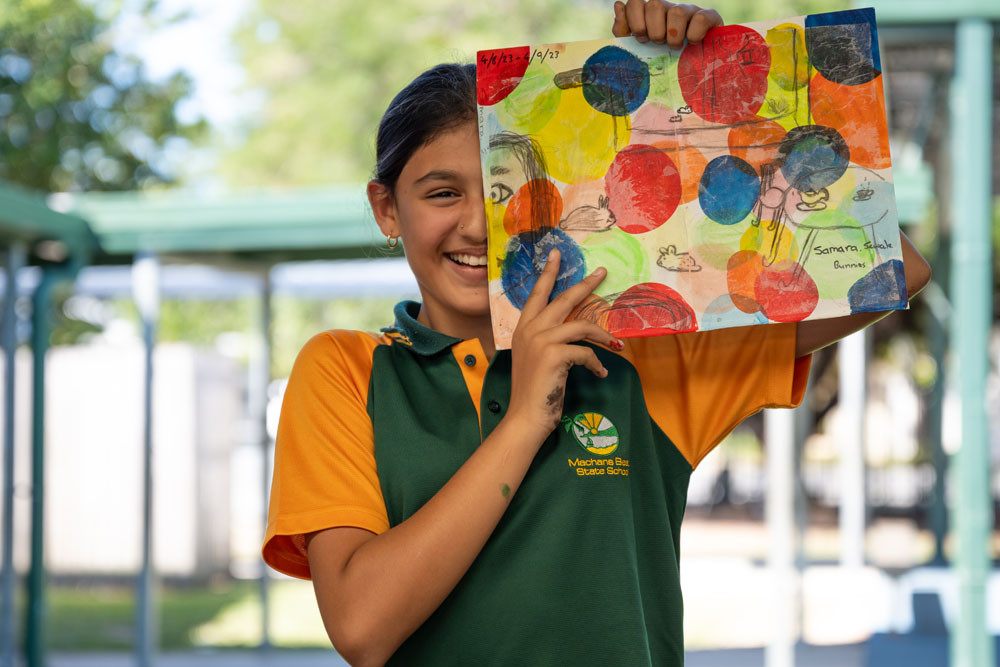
point(383, 207)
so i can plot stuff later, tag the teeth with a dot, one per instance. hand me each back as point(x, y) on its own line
point(471, 260)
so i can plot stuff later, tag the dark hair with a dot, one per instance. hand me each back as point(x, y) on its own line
point(437, 100)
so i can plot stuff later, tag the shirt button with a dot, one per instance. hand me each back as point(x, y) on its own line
point(493, 407)
point(470, 360)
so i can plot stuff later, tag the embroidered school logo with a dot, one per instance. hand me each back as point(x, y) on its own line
point(593, 431)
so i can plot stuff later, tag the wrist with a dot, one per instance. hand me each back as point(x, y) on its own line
point(525, 427)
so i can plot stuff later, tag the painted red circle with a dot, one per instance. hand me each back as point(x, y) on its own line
point(650, 309)
point(536, 204)
point(498, 72)
point(786, 296)
point(723, 78)
point(643, 188)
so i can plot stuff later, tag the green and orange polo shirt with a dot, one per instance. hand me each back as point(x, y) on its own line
point(583, 567)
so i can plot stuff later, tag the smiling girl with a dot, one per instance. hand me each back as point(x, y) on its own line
point(458, 505)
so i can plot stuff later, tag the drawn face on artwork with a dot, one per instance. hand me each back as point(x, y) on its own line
point(505, 175)
point(438, 214)
point(861, 195)
point(512, 161)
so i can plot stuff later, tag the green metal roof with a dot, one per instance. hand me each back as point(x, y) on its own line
point(271, 226)
point(931, 11)
point(26, 218)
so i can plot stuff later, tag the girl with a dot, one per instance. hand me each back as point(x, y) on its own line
point(458, 505)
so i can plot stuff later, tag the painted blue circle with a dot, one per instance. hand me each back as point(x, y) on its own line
point(869, 201)
point(882, 288)
point(813, 157)
point(728, 189)
point(526, 254)
point(615, 81)
point(722, 313)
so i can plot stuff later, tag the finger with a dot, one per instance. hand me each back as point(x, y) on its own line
point(677, 24)
point(635, 13)
point(584, 356)
point(575, 331)
point(702, 21)
point(656, 21)
point(539, 296)
point(620, 27)
point(559, 309)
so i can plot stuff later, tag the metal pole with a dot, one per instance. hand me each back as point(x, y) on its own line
point(34, 642)
point(265, 444)
point(779, 435)
point(15, 260)
point(937, 316)
point(852, 352)
point(972, 516)
point(145, 288)
point(41, 328)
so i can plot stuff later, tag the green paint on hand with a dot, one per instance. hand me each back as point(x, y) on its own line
point(504, 490)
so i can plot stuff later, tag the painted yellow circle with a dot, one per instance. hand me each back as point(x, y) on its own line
point(774, 241)
point(496, 238)
point(579, 142)
point(789, 60)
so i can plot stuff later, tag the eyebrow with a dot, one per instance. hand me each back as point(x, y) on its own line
point(498, 170)
point(437, 175)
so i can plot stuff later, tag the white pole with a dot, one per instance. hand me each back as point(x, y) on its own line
point(779, 437)
point(852, 353)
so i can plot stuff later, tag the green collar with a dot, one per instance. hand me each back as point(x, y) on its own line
point(408, 331)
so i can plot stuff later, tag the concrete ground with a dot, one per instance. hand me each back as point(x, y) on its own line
point(806, 656)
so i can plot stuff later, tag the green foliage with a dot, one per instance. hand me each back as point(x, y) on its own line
point(329, 69)
point(74, 113)
point(91, 618)
point(201, 322)
point(294, 321)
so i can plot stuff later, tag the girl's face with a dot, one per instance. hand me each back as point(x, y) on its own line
point(438, 211)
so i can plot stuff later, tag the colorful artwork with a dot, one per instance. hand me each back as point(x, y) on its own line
point(743, 180)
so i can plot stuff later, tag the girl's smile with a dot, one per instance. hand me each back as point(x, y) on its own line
point(437, 208)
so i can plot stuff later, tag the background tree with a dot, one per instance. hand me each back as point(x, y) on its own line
point(327, 70)
point(74, 113)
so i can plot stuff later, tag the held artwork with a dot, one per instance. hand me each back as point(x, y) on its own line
point(743, 180)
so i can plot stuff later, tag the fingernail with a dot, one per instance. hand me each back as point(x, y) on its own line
point(604, 372)
point(599, 271)
point(616, 344)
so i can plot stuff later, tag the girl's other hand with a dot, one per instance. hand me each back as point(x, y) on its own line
point(542, 349)
point(662, 21)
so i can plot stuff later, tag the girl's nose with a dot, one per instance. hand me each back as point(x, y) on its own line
point(474, 226)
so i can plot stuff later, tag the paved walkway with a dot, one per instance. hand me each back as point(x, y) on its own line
point(806, 656)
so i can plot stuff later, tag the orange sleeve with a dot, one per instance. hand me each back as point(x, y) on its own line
point(324, 461)
point(699, 386)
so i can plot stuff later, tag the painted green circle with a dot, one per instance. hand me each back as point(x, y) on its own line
point(619, 253)
point(840, 254)
point(533, 103)
point(663, 85)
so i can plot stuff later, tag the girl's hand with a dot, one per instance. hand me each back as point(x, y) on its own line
point(660, 21)
point(542, 350)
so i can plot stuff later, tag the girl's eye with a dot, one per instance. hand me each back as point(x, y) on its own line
point(500, 193)
point(443, 194)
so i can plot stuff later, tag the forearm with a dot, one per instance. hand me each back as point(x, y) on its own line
point(394, 581)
